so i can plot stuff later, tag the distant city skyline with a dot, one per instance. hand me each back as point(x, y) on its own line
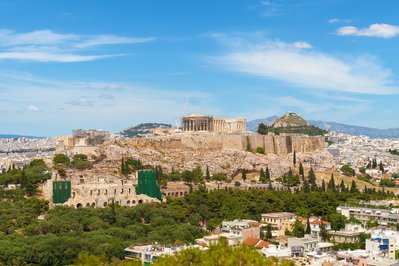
point(97, 64)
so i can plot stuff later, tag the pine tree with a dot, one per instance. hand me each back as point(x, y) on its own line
point(331, 183)
point(294, 159)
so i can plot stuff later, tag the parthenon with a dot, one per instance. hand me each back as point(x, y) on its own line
point(205, 123)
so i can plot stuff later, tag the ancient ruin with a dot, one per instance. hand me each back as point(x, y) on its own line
point(205, 123)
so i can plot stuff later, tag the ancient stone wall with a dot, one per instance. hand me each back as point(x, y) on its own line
point(276, 144)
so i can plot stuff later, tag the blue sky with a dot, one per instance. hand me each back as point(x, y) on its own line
point(112, 64)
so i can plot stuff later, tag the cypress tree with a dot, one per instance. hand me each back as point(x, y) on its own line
point(306, 186)
point(353, 188)
point(294, 159)
point(207, 175)
point(262, 176)
point(123, 166)
point(270, 185)
point(312, 179)
point(301, 171)
point(342, 186)
point(267, 174)
point(308, 230)
point(374, 165)
point(269, 231)
point(323, 186)
point(331, 184)
point(244, 175)
point(381, 167)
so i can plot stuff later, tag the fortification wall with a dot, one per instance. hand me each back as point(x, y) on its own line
point(277, 144)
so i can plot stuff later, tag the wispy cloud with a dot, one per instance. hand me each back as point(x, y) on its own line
point(302, 45)
point(85, 103)
point(339, 20)
point(81, 102)
point(374, 30)
point(307, 69)
point(270, 9)
point(49, 46)
point(33, 109)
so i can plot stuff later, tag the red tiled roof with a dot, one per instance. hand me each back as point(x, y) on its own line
point(256, 242)
point(262, 244)
point(319, 222)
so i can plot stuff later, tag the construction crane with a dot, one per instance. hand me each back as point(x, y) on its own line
point(178, 123)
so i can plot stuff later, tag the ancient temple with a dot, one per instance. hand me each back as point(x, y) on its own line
point(205, 123)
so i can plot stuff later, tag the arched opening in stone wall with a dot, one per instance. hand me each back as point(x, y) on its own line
point(105, 204)
point(93, 204)
point(140, 201)
point(128, 202)
point(87, 205)
point(79, 205)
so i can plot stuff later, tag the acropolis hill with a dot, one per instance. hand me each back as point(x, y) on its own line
point(202, 144)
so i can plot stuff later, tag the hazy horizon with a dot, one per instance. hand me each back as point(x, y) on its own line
point(74, 64)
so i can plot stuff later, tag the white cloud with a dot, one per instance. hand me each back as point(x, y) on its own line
point(49, 46)
point(110, 39)
point(33, 109)
point(112, 87)
point(338, 20)
point(375, 30)
point(302, 45)
point(51, 57)
point(77, 103)
point(40, 37)
point(310, 70)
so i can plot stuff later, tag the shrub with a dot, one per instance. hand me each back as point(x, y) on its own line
point(260, 150)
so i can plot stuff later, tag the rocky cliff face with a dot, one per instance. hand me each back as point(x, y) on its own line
point(227, 161)
point(221, 153)
point(273, 144)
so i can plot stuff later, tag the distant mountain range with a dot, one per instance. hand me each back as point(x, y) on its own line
point(333, 126)
point(10, 136)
